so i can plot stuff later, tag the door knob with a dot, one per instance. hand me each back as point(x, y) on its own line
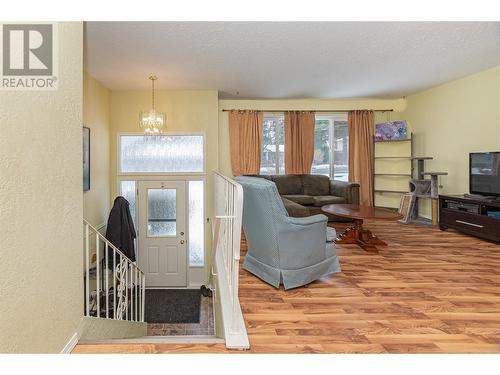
point(182, 242)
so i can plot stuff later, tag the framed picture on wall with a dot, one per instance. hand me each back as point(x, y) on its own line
point(86, 159)
point(393, 130)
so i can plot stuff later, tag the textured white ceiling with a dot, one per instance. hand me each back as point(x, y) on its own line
point(290, 59)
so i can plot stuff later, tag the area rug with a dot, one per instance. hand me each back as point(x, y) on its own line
point(172, 305)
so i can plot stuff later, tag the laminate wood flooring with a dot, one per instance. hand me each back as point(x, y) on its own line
point(428, 291)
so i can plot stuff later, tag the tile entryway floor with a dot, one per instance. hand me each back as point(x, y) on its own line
point(204, 327)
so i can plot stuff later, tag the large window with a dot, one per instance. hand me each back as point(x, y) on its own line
point(273, 145)
point(331, 142)
point(161, 154)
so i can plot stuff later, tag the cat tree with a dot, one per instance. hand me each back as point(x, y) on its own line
point(422, 188)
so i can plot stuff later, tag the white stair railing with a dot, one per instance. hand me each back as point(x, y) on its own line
point(226, 257)
point(113, 282)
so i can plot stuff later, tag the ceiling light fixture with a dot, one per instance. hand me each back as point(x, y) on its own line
point(151, 122)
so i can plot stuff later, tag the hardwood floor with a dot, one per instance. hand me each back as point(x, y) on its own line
point(426, 292)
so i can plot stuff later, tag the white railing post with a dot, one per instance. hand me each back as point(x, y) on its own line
point(139, 291)
point(114, 284)
point(121, 290)
point(107, 280)
point(237, 208)
point(119, 287)
point(136, 295)
point(87, 271)
point(131, 282)
point(216, 236)
point(143, 295)
point(126, 291)
point(98, 284)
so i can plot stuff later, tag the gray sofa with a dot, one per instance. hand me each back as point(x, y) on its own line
point(304, 195)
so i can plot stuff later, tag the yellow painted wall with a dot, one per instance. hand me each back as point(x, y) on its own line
point(102, 329)
point(453, 119)
point(96, 104)
point(294, 104)
point(186, 111)
point(41, 285)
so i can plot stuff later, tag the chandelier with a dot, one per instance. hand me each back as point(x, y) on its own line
point(151, 122)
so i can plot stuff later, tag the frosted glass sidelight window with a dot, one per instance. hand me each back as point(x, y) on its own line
point(127, 191)
point(196, 224)
point(161, 212)
point(161, 153)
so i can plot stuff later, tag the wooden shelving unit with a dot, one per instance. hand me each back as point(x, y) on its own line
point(396, 175)
point(392, 157)
point(394, 140)
point(390, 191)
point(392, 175)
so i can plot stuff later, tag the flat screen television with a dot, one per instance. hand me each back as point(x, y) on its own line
point(484, 173)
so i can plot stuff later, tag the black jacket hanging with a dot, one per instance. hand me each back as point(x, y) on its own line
point(120, 230)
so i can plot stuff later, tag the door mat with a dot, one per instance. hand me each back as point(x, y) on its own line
point(172, 305)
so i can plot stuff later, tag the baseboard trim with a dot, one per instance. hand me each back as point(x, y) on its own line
point(159, 340)
point(70, 345)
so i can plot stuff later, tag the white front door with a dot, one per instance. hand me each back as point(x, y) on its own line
point(162, 228)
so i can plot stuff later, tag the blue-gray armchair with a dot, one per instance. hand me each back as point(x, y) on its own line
point(293, 251)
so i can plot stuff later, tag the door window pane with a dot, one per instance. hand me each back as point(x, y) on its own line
point(127, 191)
point(273, 146)
point(196, 224)
point(161, 153)
point(161, 212)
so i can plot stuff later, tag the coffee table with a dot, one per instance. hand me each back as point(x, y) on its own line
point(357, 234)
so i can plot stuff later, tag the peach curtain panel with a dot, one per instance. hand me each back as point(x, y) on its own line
point(361, 130)
point(245, 141)
point(299, 142)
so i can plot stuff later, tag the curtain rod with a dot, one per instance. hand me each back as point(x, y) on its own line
point(305, 110)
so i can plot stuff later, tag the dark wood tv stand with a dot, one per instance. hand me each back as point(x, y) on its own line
point(476, 216)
